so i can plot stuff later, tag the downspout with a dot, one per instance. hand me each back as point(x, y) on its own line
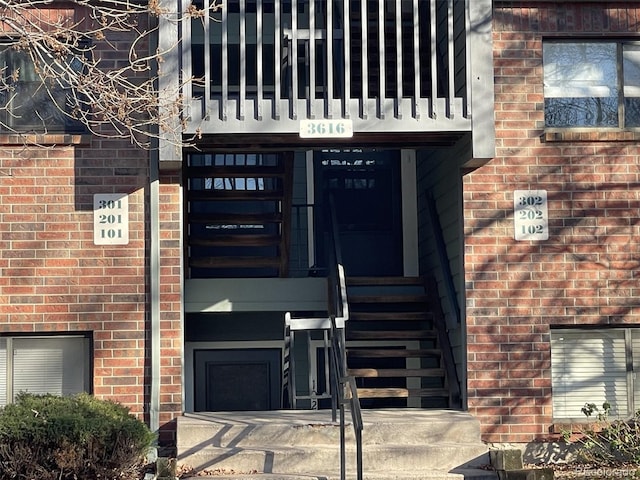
point(154, 289)
point(167, 41)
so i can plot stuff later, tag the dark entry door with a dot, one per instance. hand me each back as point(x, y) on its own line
point(366, 188)
point(237, 380)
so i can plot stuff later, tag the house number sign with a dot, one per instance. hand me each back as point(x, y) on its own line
point(110, 219)
point(530, 215)
point(326, 128)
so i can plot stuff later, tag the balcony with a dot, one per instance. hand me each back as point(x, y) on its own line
point(411, 66)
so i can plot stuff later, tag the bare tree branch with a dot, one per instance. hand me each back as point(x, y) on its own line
point(93, 63)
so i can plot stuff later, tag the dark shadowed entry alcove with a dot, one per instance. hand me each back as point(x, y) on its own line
point(237, 380)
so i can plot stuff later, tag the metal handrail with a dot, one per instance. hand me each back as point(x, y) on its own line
point(345, 392)
point(342, 386)
point(341, 381)
point(337, 274)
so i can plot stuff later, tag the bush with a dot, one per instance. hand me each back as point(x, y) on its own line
point(47, 437)
point(610, 442)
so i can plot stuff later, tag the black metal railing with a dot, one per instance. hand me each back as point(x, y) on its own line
point(345, 392)
point(341, 386)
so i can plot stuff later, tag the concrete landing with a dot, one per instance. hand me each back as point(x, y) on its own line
point(398, 444)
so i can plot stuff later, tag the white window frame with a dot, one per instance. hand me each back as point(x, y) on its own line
point(586, 80)
point(594, 365)
point(55, 364)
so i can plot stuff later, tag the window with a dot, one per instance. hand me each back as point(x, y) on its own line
point(592, 84)
point(30, 106)
point(58, 365)
point(594, 366)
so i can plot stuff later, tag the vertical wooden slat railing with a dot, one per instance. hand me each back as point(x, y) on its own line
point(266, 49)
point(381, 61)
point(243, 60)
point(329, 60)
point(187, 31)
point(277, 54)
point(311, 87)
point(365, 60)
point(451, 70)
point(346, 21)
point(399, 63)
point(293, 60)
point(207, 57)
point(259, 75)
point(416, 60)
point(224, 101)
point(433, 46)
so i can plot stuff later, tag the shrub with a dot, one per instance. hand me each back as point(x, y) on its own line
point(48, 437)
point(610, 442)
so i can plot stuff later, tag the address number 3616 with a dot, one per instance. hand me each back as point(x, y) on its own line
point(325, 128)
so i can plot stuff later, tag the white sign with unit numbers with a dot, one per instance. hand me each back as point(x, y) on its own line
point(530, 215)
point(110, 219)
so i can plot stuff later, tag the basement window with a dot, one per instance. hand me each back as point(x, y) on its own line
point(591, 84)
point(594, 366)
point(58, 365)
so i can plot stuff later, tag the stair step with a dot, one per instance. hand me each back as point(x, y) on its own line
point(396, 372)
point(376, 316)
point(467, 474)
point(235, 262)
point(387, 392)
point(235, 218)
point(249, 195)
point(391, 334)
point(392, 353)
point(355, 299)
point(315, 428)
point(377, 281)
point(236, 171)
point(376, 458)
point(243, 240)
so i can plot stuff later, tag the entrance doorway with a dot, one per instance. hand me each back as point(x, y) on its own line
point(237, 380)
point(366, 188)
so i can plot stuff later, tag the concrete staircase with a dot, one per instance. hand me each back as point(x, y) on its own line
point(399, 444)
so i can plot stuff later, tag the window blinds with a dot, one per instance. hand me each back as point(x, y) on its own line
point(588, 366)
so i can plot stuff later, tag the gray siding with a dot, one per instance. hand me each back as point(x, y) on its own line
point(439, 173)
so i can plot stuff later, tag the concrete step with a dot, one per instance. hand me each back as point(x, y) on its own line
point(376, 458)
point(314, 428)
point(469, 474)
point(400, 444)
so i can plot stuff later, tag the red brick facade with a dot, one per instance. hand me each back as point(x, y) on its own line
point(54, 279)
point(586, 272)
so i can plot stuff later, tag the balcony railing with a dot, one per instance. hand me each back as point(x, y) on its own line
point(386, 65)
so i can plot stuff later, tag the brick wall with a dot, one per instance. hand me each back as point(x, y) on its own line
point(53, 278)
point(586, 273)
